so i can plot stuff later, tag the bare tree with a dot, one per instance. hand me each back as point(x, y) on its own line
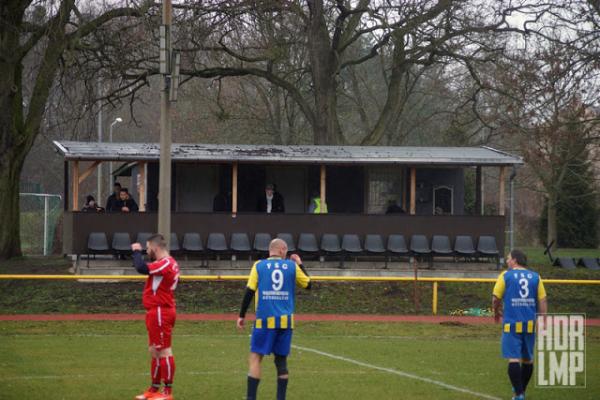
point(35, 40)
point(305, 48)
point(550, 113)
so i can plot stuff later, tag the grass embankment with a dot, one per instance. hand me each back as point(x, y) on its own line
point(337, 298)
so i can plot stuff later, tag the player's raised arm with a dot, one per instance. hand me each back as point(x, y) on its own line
point(138, 260)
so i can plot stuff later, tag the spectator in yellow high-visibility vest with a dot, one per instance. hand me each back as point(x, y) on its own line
point(315, 206)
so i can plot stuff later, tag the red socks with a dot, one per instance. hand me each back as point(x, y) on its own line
point(167, 371)
point(155, 373)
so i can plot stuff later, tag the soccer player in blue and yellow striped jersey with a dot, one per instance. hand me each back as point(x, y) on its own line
point(521, 293)
point(273, 281)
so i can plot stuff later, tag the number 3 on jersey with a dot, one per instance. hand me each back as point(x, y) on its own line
point(277, 279)
point(524, 291)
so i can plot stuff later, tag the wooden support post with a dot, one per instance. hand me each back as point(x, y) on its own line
point(404, 186)
point(502, 197)
point(323, 188)
point(142, 186)
point(478, 192)
point(75, 186)
point(88, 172)
point(413, 190)
point(234, 188)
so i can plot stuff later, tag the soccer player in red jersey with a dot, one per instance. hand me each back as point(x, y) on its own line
point(159, 302)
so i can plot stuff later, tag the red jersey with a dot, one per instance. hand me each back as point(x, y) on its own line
point(161, 283)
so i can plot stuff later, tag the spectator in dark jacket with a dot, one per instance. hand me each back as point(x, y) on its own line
point(91, 206)
point(113, 199)
point(222, 202)
point(271, 202)
point(126, 203)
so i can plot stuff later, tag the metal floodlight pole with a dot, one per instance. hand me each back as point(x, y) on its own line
point(99, 190)
point(110, 164)
point(512, 209)
point(164, 182)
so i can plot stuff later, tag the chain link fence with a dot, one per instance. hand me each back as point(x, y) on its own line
point(40, 215)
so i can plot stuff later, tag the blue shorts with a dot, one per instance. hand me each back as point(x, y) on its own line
point(267, 341)
point(518, 345)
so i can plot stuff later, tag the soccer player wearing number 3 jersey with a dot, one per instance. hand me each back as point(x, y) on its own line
point(273, 281)
point(523, 294)
point(159, 301)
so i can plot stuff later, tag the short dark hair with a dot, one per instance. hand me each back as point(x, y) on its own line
point(519, 257)
point(158, 240)
point(117, 184)
point(124, 190)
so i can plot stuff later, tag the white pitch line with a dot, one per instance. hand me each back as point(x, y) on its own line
point(399, 373)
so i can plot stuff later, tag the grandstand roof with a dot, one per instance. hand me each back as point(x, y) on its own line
point(275, 154)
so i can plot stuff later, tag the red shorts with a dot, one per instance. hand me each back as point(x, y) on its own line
point(160, 322)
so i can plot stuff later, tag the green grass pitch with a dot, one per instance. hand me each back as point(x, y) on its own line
point(108, 360)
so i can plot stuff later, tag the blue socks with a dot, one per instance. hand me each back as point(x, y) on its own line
point(252, 388)
point(281, 388)
point(526, 372)
point(514, 373)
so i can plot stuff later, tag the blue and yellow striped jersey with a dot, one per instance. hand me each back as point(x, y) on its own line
point(274, 280)
point(521, 290)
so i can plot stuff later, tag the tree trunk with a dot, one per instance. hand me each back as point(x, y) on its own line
point(10, 172)
point(324, 64)
point(551, 227)
point(393, 104)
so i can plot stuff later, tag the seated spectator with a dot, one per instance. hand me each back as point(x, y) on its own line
point(126, 203)
point(271, 202)
point(91, 206)
point(222, 202)
point(394, 208)
point(113, 199)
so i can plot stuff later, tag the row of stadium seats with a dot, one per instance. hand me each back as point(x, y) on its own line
point(330, 244)
point(572, 263)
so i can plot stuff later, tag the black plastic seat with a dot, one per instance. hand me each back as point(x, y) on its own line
point(419, 245)
point(97, 243)
point(351, 243)
point(121, 242)
point(240, 242)
point(142, 238)
point(374, 244)
point(463, 245)
point(565, 262)
point(397, 244)
point(216, 242)
point(174, 243)
point(440, 245)
point(307, 243)
point(192, 242)
point(487, 246)
point(288, 238)
point(589, 263)
point(261, 242)
point(330, 243)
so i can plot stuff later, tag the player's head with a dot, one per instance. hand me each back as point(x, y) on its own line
point(516, 258)
point(117, 187)
point(278, 248)
point(124, 194)
point(155, 245)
